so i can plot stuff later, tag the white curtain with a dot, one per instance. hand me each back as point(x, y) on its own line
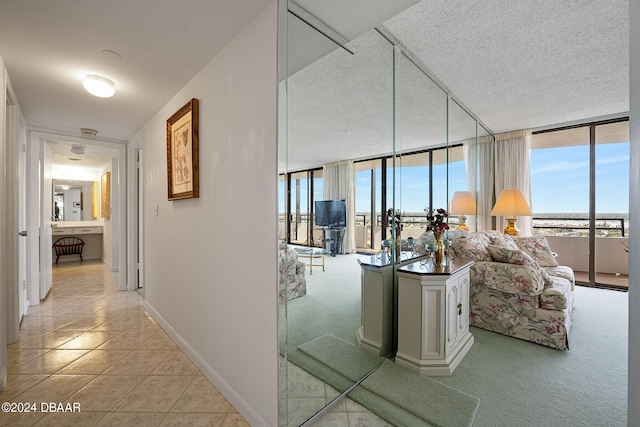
point(339, 184)
point(513, 153)
point(479, 156)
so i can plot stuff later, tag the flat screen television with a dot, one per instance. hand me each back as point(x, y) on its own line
point(331, 213)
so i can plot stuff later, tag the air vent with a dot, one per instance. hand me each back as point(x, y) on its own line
point(88, 132)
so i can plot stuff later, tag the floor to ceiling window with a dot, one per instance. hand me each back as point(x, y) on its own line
point(580, 198)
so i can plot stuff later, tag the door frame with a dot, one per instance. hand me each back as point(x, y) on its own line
point(36, 141)
point(135, 197)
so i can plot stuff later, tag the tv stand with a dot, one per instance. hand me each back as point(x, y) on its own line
point(333, 243)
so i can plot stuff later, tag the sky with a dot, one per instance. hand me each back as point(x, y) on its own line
point(560, 179)
point(559, 182)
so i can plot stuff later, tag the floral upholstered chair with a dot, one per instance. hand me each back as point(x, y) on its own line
point(291, 280)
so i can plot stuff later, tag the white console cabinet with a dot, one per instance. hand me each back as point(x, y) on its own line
point(377, 332)
point(433, 317)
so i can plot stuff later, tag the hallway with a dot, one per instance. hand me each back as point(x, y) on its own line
point(92, 346)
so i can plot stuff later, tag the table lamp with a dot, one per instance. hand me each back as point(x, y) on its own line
point(511, 203)
point(462, 203)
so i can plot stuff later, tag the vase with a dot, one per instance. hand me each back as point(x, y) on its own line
point(439, 252)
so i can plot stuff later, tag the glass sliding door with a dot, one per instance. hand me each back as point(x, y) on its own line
point(300, 208)
point(368, 205)
point(612, 205)
point(580, 198)
point(560, 194)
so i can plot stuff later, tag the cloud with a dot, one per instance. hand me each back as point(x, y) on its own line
point(559, 166)
point(609, 160)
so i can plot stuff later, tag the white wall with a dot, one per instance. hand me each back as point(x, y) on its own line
point(634, 217)
point(210, 262)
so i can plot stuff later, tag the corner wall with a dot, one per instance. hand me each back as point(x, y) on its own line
point(210, 263)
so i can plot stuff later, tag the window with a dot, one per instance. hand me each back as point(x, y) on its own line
point(580, 198)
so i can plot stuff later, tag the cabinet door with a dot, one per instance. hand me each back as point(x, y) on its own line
point(452, 316)
point(463, 318)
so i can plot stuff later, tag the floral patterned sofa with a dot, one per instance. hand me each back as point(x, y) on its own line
point(291, 280)
point(517, 287)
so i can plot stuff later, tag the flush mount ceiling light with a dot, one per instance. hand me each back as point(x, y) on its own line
point(99, 86)
point(78, 149)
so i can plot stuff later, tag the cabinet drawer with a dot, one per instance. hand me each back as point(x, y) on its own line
point(87, 230)
point(57, 231)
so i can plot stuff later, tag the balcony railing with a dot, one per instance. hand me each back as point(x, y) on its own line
point(613, 226)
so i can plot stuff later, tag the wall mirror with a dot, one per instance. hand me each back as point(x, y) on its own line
point(75, 200)
point(363, 123)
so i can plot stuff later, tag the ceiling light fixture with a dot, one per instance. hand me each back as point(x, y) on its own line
point(99, 86)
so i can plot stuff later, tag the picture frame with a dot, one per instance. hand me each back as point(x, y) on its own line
point(182, 153)
point(105, 195)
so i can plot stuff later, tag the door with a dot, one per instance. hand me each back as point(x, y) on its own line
point(23, 298)
point(46, 213)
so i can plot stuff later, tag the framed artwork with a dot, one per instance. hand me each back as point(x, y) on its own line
point(105, 195)
point(95, 192)
point(182, 152)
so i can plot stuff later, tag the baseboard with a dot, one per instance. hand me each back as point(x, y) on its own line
point(243, 408)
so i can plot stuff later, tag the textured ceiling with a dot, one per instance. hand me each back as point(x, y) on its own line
point(514, 65)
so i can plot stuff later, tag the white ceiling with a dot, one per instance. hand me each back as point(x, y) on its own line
point(513, 64)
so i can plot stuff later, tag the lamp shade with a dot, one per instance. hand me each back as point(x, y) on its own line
point(462, 203)
point(511, 202)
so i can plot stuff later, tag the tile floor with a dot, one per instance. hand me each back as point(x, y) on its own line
point(90, 344)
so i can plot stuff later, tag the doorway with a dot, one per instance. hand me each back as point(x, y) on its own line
point(49, 157)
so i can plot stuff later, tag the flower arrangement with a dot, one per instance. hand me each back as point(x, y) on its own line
point(436, 220)
point(394, 219)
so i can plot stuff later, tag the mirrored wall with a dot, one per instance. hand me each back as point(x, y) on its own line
point(363, 125)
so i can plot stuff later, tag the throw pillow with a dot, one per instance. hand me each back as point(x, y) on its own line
point(511, 256)
point(517, 257)
point(538, 248)
point(472, 246)
point(500, 239)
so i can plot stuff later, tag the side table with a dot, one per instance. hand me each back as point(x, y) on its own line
point(433, 317)
point(312, 254)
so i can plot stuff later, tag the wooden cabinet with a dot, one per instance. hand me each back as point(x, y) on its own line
point(433, 317)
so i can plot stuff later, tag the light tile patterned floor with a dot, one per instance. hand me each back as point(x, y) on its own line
point(91, 344)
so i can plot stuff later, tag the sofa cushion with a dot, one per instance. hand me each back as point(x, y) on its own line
point(517, 279)
point(472, 246)
point(517, 257)
point(538, 248)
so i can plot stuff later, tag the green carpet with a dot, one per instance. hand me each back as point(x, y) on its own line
point(421, 396)
point(345, 358)
point(519, 384)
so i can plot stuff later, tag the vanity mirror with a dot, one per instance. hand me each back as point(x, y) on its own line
point(75, 200)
